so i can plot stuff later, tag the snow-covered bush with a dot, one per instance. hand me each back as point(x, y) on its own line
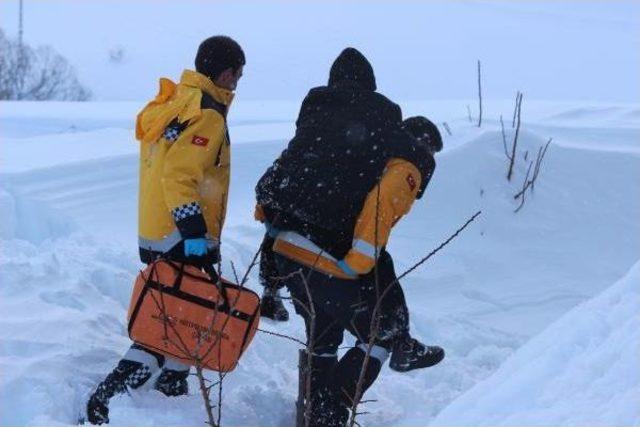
point(37, 74)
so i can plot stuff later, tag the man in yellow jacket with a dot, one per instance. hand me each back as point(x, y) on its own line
point(184, 184)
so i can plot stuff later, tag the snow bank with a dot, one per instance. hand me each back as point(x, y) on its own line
point(63, 303)
point(64, 290)
point(582, 370)
point(31, 220)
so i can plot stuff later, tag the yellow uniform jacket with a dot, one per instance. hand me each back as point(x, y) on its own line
point(184, 164)
point(387, 202)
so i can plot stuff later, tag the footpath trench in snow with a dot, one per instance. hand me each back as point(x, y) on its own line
point(68, 258)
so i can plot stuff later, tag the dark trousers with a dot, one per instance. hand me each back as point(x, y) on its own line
point(394, 311)
point(268, 273)
point(394, 314)
point(331, 306)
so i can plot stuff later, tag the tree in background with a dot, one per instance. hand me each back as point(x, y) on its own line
point(38, 74)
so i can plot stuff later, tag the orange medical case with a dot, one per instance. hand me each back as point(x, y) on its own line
point(178, 311)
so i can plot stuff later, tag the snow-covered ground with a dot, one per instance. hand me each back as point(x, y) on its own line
point(538, 310)
point(68, 256)
point(582, 370)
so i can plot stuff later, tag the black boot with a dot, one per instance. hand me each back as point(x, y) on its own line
point(409, 354)
point(271, 306)
point(172, 383)
point(126, 374)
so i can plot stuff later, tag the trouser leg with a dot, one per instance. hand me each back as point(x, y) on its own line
point(351, 380)
point(407, 352)
point(324, 336)
point(394, 314)
point(348, 370)
point(271, 305)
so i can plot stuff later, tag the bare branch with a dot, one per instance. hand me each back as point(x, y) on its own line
point(530, 183)
point(536, 169)
point(375, 318)
point(276, 334)
point(204, 390)
point(515, 139)
point(447, 128)
point(515, 109)
point(38, 74)
point(504, 139)
point(525, 185)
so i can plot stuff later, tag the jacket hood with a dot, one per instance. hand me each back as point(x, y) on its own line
point(180, 101)
point(352, 66)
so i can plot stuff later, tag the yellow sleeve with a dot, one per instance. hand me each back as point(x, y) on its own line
point(387, 202)
point(195, 150)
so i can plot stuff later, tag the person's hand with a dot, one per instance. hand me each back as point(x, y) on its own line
point(195, 247)
point(271, 230)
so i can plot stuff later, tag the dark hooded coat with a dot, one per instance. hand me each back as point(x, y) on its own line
point(346, 133)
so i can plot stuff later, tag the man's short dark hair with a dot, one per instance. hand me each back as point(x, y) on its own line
point(424, 131)
point(218, 53)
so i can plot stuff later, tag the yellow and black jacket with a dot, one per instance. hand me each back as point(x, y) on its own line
point(349, 162)
point(387, 203)
point(184, 164)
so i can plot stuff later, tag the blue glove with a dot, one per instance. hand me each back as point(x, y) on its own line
point(271, 230)
point(346, 269)
point(195, 247)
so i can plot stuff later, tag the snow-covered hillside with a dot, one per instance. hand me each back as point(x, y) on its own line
point(68, 256)
point(582, 370)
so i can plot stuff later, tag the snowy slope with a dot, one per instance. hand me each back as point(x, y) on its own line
point(68, 255)
point(582, 370)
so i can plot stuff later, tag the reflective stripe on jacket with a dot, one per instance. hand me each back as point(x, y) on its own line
point(387, 202)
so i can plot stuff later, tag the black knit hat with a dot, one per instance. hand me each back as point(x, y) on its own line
point(425, 131)
point(218, 53)
point(351, 65)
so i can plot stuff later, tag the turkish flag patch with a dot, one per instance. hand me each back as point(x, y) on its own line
point(411, 181)
point(200, 140)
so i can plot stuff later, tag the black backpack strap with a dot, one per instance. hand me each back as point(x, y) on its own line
point(208, 102)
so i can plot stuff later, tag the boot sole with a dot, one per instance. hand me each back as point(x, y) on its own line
point(425, 364)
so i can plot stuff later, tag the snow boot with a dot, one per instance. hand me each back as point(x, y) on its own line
point(328, 410)
point(271, 306)
point(126, 374)
point(409, 354)
point(172, 383)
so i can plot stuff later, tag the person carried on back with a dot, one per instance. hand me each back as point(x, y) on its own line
point(329, 203)
point(184, 184)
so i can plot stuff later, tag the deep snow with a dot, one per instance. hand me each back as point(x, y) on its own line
point(582, 370)
point(68, 257)
point(538, 325)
